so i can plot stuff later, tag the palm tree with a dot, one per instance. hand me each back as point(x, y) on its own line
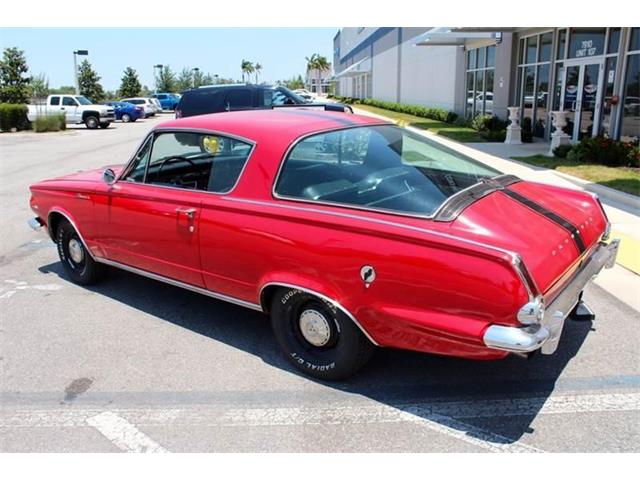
point(257, 69)
point(247, 68)
point(320, 64)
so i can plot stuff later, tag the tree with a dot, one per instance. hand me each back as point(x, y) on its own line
point(294, 83)
point(200, 78)
point(39, 86)
point(130, 84)
point(247, 68)
point(185, 79)
point(89, 82)
point(14, 85)
point(257, 69)
point(63, 90)
point(320, 64)
point(166, 80)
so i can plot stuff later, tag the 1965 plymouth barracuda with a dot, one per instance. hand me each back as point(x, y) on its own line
point(349, 232)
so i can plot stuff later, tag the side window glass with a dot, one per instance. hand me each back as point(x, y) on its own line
point(55, 100)
point(339, 147)
point(239, 98)
point(69, 102)
point(197, 161)
point(140, 163)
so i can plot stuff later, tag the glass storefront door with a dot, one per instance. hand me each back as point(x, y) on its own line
point(582, 98)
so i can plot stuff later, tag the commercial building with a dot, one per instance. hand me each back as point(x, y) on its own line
point(591, 73)
point(318, 81)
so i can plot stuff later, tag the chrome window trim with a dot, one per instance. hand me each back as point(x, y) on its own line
point(300, 139)
point(323, 297)
point(129, 165)
point(73, 224)
point(177, 283)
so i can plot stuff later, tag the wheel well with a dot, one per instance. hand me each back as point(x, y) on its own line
point(52, 223)
point(90, 114)
point(266, 296)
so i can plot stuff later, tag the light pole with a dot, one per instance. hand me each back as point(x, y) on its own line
point(215, 79)
point(155, 81)
point(195, 72)
point(75, 67)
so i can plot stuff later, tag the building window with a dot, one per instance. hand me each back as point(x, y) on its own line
point(534, 73)
point(480, 78)
point(630, 117)
point(586, 42)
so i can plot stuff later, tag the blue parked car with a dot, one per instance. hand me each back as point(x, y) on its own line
point(168, 101)
point(127, 112)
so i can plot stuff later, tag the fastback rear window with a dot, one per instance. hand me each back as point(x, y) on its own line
point(379, 168)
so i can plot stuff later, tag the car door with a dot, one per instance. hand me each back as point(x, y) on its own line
point(149, 218)
point(70, 109)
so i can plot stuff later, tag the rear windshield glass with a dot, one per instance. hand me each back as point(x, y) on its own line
point(379, 168)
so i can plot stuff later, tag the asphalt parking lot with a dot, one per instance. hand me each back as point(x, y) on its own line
point(135, 365)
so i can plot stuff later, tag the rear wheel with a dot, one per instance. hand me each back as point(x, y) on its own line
point(317, 337)
point(126, 118)
point(91, 122)
point(75, 258)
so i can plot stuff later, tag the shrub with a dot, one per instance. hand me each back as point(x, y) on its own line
point(50, 123)
point(494, 135)
point(13, 116)
point(488, 123)
point(527, 131)
point(561, 151)
point(604, 151)
point(633, 158)
point(463, 122)
point(434, 113)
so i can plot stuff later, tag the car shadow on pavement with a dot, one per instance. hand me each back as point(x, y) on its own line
point(415, 383)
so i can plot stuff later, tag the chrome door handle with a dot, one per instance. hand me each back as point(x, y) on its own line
point(189, 212)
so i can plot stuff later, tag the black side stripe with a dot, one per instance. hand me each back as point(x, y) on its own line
point(568, 226)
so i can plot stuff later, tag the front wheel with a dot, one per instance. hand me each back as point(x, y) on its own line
point(75, 258)
point(317, 337)
point(91, 122)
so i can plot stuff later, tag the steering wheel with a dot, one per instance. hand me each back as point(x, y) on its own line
point(171, 159)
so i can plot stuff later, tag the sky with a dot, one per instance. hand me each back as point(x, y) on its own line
point(281, 51)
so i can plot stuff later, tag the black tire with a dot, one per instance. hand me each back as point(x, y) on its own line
point(345, 349)
point(91, 122)
point(105, 125)
point(126, 118)
point(87, 270)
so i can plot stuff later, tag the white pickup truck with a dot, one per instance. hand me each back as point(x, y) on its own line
point(76, 108)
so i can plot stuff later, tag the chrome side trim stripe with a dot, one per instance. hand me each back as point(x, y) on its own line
point(176, 283)
point(326, 299)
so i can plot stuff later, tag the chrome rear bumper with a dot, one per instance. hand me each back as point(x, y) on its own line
point(546, 334)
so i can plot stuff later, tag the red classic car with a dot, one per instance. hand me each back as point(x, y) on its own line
point(349, 231)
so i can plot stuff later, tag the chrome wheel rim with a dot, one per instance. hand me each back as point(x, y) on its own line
point(315, 328)
point(76, 252)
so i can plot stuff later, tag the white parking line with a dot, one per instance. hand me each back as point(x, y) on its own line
point(123, 434)
point(443, 417)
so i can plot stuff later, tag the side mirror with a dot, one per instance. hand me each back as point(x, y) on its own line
point(109, 176)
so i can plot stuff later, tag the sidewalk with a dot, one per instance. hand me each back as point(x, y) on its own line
point(624, 283)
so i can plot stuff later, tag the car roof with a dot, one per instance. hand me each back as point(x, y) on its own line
point(282, 124)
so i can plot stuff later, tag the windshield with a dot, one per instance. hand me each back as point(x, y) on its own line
point(83, 100)
point(379, 168)
point(294, 95)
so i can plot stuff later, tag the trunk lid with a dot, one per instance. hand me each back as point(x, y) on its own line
point(541, 236)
